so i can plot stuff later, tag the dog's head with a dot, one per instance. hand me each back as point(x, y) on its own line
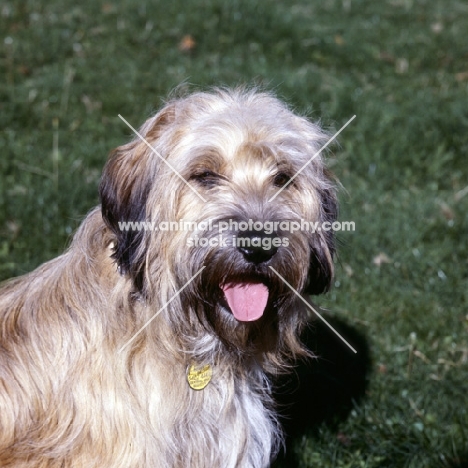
point(238, 176)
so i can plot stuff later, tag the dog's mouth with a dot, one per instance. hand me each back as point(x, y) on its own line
point(247, 300)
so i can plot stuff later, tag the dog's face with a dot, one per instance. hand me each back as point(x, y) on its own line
point(229, 155)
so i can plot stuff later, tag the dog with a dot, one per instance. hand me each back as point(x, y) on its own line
point(154, 348)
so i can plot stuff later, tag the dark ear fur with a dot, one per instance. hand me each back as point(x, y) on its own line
point(126, 181)
point(323, 248)
point(124, 190)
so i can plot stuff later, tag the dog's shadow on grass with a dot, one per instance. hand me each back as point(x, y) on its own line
point(322, 390)
point(461, 462)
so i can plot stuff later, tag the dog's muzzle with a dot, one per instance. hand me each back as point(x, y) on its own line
point(247, 300)
point(255, 249)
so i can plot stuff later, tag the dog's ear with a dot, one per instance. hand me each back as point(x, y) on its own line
point(323, 246)
point(126, 181)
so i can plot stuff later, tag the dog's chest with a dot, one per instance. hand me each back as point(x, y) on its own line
point(222, 422)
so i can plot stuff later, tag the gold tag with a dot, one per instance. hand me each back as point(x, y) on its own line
point(199, 377)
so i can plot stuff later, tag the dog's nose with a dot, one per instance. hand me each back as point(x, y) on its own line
point(257, 246)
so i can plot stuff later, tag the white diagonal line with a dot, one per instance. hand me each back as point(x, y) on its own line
point(161, 309)
point(312, 158)
point(313, 310)
point(162, 159)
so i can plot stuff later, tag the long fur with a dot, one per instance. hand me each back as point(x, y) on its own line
point(71, 395)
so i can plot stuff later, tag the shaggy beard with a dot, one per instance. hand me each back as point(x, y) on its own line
point(272, 340)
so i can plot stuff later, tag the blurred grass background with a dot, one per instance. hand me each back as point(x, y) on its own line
point(68, 68)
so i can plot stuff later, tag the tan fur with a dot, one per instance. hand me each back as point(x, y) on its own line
point(69, 397)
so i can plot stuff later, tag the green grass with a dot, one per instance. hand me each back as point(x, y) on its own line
point(401, 66)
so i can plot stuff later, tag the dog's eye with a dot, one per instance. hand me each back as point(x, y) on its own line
point(281, 179)
point(206, 178)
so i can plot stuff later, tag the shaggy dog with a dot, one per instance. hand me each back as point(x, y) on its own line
point(148, 347)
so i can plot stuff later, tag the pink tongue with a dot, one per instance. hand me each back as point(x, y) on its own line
point(247, 301)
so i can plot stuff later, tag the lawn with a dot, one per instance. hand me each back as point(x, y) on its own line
point(400, 66)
